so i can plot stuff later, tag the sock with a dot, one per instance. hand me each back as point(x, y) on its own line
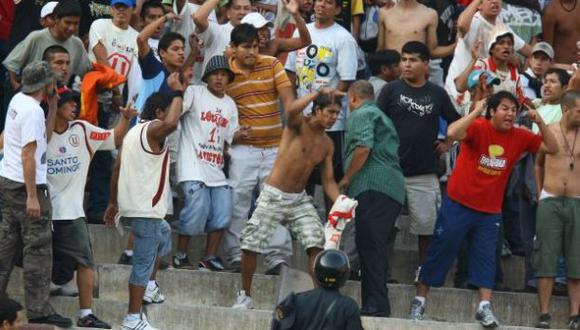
point(129, 253)
point(85, 312)
point(421, 299)
point(151, 285)
point(482, 303)
point(132, 317)
point(181, 255)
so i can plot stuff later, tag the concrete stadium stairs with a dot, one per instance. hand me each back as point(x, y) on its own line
point(201, 300)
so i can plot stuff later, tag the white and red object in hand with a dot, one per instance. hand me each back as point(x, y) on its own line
point(341, 212)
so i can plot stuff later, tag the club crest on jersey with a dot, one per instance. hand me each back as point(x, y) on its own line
point(74, 140)
point(62, 150)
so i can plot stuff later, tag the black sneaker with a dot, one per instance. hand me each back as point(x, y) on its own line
point(214, 264)
point(275, 270)
point(53, 319)
point(574, 322)
point(181, 262)
point(124, 259)
point(235, 266)
point(91, 321)
point(544, 321)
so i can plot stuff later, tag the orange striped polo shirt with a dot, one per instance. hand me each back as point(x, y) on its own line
point(256, 95)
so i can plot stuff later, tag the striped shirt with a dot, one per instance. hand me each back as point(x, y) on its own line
point(256, 95)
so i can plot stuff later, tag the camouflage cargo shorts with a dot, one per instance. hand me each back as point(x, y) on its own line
point(294, 211)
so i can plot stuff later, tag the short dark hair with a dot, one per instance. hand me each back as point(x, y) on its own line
point(66, 8)
point(149, 5)
point(323, 100)
point(244, 33)
point(389, 57)
point(563, 76)
point(8, 309)
point(230, 3)
point(570, 98)
point(155, 101)
point(54, 49)
point(418, 48)
point(338, 3)
point(494, 101)
point(168, 38)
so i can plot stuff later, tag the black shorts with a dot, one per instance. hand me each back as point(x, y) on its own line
point(71, 246)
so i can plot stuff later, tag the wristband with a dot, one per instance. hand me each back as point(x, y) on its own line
point(177, 94)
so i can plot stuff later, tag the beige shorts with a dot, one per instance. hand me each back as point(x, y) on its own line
point(423, 199)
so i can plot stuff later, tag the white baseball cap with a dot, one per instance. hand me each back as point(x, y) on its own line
point(256, 20)
point(48, 9)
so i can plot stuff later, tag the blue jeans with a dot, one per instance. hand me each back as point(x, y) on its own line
point(455, 223)
point(206, 209)
point(152, 240)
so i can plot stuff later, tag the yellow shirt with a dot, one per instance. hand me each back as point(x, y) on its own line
point(256, 96)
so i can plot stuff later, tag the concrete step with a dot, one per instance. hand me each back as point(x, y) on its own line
point(108, 245)
point(187, 287)
point(178, 317)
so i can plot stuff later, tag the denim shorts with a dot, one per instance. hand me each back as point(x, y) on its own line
point(206, 209)
point(152, 240)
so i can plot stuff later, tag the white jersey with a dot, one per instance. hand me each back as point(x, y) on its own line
point(144, 177)
point(208, 123)
point(68, 158)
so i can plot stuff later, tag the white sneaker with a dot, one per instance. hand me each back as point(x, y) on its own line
point(153, 296)
point(139, 324)
point(243, 301)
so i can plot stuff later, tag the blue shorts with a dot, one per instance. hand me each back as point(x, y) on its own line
point(152, 240)
point(455, 224)
point(206, 209)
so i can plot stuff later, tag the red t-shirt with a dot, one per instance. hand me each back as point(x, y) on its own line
point(485, 161)
point(6, 18)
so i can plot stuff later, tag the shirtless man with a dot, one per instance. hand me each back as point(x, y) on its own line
point(273, 47)
point(396, 28)
point(562, 30)
point(283, 199)
point(558, 215)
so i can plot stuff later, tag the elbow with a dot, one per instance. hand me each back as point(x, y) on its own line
point(172, 125)
point(198, 20)
point(452, 134)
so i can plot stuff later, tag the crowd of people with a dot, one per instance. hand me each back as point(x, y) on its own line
point(222, 118)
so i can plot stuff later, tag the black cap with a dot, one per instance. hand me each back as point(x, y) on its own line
point(332, 269)
point(217, 62)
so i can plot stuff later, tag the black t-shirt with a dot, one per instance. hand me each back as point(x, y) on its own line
point(26, 20)
point(415, 113)
point(93, 10)
point(447, 12)
point(311, 307)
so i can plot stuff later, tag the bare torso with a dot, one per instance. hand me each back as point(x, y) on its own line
point(401, 25)
point(566, 30)
point(299, 152)
point(559, 180)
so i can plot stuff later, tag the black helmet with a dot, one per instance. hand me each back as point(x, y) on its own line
point(332, 269)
